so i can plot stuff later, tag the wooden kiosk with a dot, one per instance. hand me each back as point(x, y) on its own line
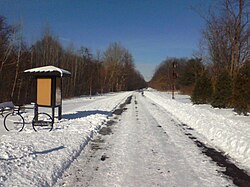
point(48, 88)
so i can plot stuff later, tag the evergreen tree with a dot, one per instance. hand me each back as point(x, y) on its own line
point(192, 69)
point(222, 91)
point(203, 90)
point(241, 90)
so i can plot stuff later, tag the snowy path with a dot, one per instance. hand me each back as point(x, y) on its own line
point(146, 148)
point(33, 158)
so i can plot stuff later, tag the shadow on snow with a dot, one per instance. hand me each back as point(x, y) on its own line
point(48, 151)
point(82, 114)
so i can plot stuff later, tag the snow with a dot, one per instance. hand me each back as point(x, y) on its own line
point(146, 148)
point(221, 128)
point(38, 158)
point(45, 69)
point(33, 158)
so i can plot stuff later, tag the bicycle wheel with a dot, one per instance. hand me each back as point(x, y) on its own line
point(13, 122)
point(42, 122)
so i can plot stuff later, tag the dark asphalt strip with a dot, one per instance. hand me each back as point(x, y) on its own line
point(238, 176)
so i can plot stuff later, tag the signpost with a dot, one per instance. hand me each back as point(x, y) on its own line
point(174, 65)
point(48, 88)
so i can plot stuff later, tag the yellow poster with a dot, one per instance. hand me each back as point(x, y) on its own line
point(44, 91)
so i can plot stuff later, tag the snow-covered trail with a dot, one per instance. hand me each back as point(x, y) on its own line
point(146, 148)
point(31, 158)
point(230, 136)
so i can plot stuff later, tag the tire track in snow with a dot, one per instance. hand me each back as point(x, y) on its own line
point(227, 167)
point(138, 152)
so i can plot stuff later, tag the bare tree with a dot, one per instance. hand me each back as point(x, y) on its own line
point(113, 57)
point(227, 35)
point(47, 51)
point(18, 41)
point(6, 42)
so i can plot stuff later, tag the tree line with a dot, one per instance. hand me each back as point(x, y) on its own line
point(219, 74)
point(183, 76)
point(110, 71)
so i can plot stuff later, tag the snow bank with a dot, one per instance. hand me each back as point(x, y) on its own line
point(32, 159)
point(232, 137)
point(38, 158)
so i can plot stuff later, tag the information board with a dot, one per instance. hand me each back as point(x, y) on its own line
point(44, 91)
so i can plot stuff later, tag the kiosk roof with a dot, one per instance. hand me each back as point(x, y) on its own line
point(48, 70)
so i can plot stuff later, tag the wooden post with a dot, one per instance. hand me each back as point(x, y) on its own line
point(60, 112)
point(53, 114)
point(173, 79)
point(174, 65)
point(36, 112)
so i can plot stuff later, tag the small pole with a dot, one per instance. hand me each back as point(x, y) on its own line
point(53, 114)
point(174, 65)
point(36, 112)
point(173, 91)
point(60, 112)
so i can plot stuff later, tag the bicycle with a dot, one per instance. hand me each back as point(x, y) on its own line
point(14, 121)
point(42, 121)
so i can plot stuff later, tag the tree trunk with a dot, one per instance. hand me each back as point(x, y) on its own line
point(17, 71)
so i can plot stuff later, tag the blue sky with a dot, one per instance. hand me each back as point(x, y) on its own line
point(150, 29)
